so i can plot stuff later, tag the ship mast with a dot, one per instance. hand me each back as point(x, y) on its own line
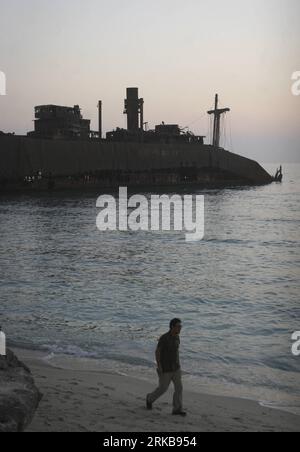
point(217, 112)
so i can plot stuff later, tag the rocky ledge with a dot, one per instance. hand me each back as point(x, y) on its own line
point(19, 397)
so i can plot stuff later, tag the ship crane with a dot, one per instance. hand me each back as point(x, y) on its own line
point(217, 112)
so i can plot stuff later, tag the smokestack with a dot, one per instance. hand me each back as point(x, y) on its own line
point(134, 109)
point(100, 119)
point(141, 104)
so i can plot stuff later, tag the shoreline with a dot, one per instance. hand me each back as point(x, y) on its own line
point(92, 400)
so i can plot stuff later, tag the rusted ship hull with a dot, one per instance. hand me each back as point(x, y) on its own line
point(64, 164)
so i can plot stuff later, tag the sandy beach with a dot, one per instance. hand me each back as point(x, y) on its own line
point(77, 399)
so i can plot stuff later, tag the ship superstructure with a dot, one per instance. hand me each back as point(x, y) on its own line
point(62, 152)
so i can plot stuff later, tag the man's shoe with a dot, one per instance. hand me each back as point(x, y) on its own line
point(179, 413)
point(148, 403)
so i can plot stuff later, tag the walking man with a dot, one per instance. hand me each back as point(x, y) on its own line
point(168, 368)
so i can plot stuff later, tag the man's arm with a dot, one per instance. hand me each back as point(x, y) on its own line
point(157, 356)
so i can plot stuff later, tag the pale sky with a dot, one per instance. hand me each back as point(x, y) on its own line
point(179, 53)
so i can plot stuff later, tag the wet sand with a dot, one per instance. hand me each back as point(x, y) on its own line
point(79, 399)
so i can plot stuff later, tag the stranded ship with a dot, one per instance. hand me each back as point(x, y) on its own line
point(63, 153)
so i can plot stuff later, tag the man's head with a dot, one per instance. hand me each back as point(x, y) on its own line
point(175, 326)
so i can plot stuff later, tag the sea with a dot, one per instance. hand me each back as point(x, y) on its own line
point(73, 292)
